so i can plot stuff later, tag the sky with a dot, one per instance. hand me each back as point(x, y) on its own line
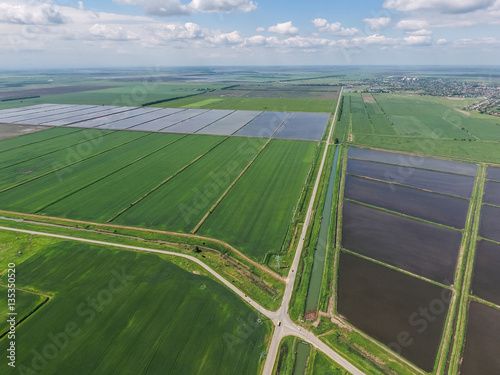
point(46, 34)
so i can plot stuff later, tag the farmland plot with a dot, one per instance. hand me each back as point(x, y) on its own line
point(32, 138)
point(37, 194)
point(493, 173)
point(413, 161)
point(490, 222)
point(418, 247)
point(255, 214)
point(30, 151)
point(264, 125)
point(446, 183)
point(391, 305)
point(437, 208)
point(130, 307)
point(116, 192)
point(27, 170)
point(181, 203)
point(492, 193)
point(482, 344)
point(486, 278)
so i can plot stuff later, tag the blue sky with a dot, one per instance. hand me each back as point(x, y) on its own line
point(91, 33)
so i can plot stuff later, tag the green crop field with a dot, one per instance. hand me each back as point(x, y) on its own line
point(256, 213)
point(33, 138)
point(121, 311)
point(109, 196)
point(180, 204)
point(135, 94)
point(162, 181)
point(39, 193)
point(256, 104)
point(16, 173)
point(423, 124)
point(25, 303)
point(28, 152)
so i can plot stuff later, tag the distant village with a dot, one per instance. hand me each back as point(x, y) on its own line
point(488, 92)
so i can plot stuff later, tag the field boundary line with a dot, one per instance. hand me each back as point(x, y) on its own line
point(29, 314)
point(70, 164)
point(458, 338)
point(405, 215)
point(38, 293)
point(42, 140)
point(394, 268)
point(59, 149)
point(187, 235)
point(165, 181)
point(446, 346)
point(197, 227)
point(409, 186)
point(107, 175)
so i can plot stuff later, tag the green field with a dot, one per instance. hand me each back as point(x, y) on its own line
point(25, 303)
point(419, 124)
point(163, 181)
point(16, 173)
point(37, 194)
point(256, 213)
point(255, 104)
point(109, 196)
point(180, 204)
point(33, 138)
point(129, 94)
point(124, 312)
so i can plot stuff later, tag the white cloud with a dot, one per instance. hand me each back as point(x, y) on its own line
point(81, 6)
point(173, 32)
point(478, 42)
point(374, 39)
point(335, 28)
point(109, 32)
point(442, 6)
point(377, 23)
point(31, 14)
point(307, 42)
point(226, 38)
point(176, 8)
point(260, 29)
point(412, 25)
point(223, 6)
point(160, 7)
point(418, 40)
point(285, 28)
point(441, 42)
point(421, 32)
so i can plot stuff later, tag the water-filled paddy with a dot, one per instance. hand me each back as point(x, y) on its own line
point(421, 248)
point(413, 161)
point(492, 193)
point(446, 183)
point(438, 208)
point(490, 222)
point(482, 344)
point(486, 278)
point(403, 312)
